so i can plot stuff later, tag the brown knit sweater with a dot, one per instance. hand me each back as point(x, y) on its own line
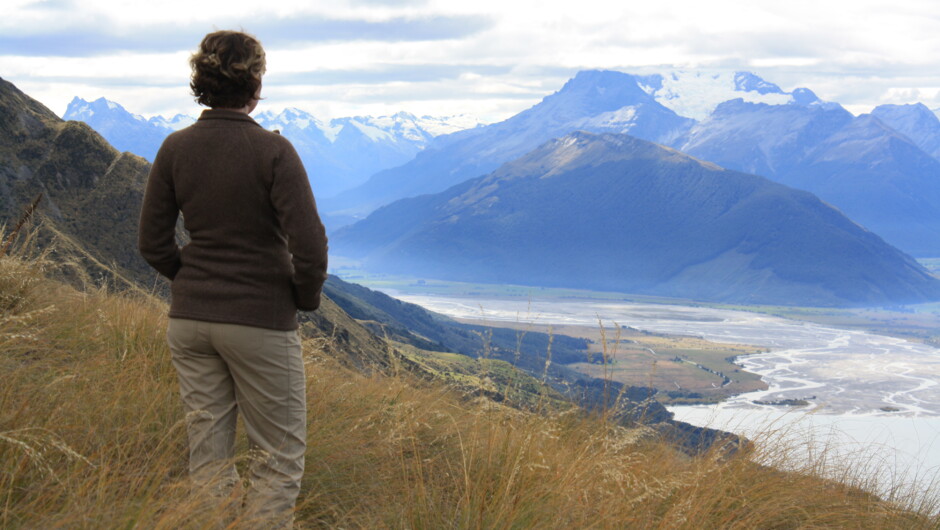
point(258, 251)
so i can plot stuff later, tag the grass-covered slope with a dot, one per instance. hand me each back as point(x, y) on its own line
point(90, 191)
point(92, 436)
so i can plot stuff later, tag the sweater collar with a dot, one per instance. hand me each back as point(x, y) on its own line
point(224, 114)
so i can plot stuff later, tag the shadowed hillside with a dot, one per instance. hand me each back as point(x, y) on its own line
point(612, 212)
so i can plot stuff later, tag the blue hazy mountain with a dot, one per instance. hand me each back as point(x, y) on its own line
point(613, 212)
point(915, 121)
point(876, 175)
point(338, 154)
point(598, 101)
point(763, 139)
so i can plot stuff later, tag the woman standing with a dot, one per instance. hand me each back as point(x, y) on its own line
point(258, 253)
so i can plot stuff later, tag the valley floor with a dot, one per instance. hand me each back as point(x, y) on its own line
point(683, 369)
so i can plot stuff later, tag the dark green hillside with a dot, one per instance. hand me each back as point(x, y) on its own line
point(417, 326)
point(612, 212)
point(90, 190)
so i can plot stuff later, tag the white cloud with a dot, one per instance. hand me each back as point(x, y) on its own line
point(492, 58)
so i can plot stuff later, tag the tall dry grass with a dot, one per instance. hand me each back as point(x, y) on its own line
point(91, 436)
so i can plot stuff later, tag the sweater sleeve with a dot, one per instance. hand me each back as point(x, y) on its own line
point(297, 214)
point(156, 236)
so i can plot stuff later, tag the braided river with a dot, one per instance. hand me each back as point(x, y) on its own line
point(874, 400)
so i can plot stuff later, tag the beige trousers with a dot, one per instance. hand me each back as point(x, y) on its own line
point(225, 369)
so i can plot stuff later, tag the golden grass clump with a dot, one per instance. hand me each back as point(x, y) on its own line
point(92, 436)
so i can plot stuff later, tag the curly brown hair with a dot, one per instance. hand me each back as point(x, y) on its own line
point(227, 69)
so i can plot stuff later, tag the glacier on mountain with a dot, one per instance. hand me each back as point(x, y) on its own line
point(696, 94)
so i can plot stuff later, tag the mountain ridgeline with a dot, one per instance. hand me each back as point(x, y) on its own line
point(613, 212)
point(881, 177)
point(657, 108)
point(338, 155)
point(599, 101)
point(91, 192)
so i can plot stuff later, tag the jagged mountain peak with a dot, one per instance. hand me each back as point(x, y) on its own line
point(80, 109)
point(749, 82)
point(915, 121)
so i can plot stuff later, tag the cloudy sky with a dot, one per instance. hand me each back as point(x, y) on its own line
point(488, 58)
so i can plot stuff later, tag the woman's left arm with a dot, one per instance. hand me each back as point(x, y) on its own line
point(156, 236)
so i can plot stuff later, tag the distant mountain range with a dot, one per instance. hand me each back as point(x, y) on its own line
point(338, 155)
point(596, 101)
point(880, 169)
point(613, 212)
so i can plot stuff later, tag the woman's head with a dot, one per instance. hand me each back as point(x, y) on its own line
point(227, 69)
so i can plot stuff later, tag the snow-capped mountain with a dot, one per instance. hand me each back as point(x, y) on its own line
point(659, 108)
point(124, 130)
point(346, 151)
point(174, 124)
point(696, 94)
point(402, 126)
point(597, 101)
point(338, 155)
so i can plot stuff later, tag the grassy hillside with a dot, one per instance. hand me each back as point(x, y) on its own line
point(92, 436)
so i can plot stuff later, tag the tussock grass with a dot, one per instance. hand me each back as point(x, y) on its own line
point(92, 436)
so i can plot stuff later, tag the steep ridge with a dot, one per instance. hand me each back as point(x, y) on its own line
point(90, 190)
point(875, 174)
point(615, 212)
point(600, 101)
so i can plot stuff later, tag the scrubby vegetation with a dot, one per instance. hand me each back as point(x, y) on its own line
point(91, 436)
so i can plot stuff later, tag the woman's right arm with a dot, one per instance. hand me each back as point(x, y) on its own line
point(297, 215)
